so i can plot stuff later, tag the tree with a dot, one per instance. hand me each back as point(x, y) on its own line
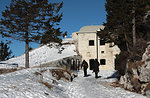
point(29, 20)
point(125, 22)
point(5, 53)
point(139, 10)
point(125, 26)
point(119, 23)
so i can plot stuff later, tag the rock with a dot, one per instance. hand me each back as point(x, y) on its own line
point(143, 88)
point(122, 80)
point(137, 75)
point(148, 93)
point(144, 71)
point(144, 74)
point(125, 80)
point(147, 90)
point(146, 56)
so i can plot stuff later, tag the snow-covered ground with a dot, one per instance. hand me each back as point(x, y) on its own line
point(25, 84)
point(43, 55)
point(89, 87)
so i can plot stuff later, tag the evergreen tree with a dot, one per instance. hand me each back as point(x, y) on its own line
point(5, 53)
point(124, 18)
point(118, 23)
point(124, 26)
point(29, 20)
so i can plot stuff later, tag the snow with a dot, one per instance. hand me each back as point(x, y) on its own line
point(42, 55)
point(89, 87)
point(26, 84)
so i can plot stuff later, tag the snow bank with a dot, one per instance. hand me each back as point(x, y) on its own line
point(43, 55)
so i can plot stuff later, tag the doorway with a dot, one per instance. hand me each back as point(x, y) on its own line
point(91, 63)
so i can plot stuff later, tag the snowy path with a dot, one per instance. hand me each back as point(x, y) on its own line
point(24, 84)
point(89, 87)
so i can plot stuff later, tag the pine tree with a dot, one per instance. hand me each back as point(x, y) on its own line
point(119, 23)
point(125, 22)
point(5, 53)
point(29, 20)
point(124, 26)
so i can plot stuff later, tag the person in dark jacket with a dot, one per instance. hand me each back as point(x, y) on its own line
point(96, 68)
point(85, 66)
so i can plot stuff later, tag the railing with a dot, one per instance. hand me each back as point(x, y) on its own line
point(9, 65)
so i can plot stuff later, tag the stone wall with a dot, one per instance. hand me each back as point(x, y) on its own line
point(65, 62)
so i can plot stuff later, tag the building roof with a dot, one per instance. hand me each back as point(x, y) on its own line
point(91, 28)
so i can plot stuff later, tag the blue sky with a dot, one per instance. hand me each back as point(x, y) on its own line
point(76, 14)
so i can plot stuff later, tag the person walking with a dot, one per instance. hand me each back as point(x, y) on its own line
point(85, 66)
point(96, 68)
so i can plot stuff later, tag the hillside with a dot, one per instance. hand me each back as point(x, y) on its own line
point(43, 55)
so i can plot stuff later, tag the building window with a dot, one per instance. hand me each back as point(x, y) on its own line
point(91, 42)
point(102, 42)
point(102, 51)
point(103, 61)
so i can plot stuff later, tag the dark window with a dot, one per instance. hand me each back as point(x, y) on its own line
point(102, 51)
point(102, 42)
point(102, 61)
point(91, 42)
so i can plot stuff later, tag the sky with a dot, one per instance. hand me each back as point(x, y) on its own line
point(76, 14)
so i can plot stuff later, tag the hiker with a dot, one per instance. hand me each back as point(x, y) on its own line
point(96, 68)
point(85, 66)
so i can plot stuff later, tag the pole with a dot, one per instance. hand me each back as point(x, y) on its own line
point(97, 42)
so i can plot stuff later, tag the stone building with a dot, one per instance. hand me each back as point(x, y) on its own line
point(90, 47)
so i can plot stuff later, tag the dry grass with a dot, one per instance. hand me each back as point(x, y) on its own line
point(37, 73)
point(134, 65)
point(46, 84)
point(147, 87)
point(136, 85)
point(116, 84)
point(40, 73)
point(147, 60)
point(4, 71)
point(43, 70)
point(59, 73)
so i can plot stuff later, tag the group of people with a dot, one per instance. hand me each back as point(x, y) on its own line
point(96, 64)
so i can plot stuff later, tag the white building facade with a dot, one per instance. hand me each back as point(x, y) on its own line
point(90, 47)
